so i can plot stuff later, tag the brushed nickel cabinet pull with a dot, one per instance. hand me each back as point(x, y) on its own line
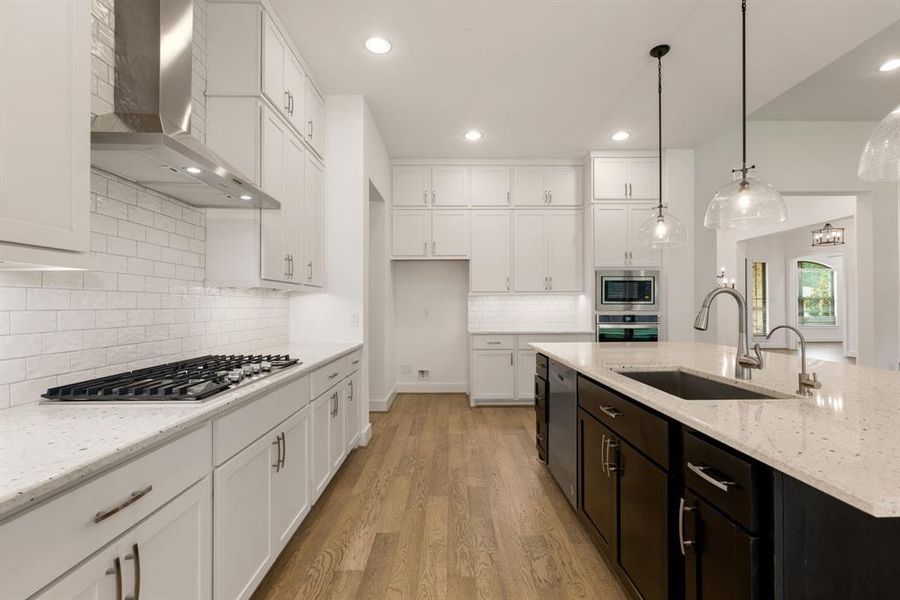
point(603, 442)
point(682, 543)
point(700, 470)
point(350, 397)
point(510, 359)
point(287, 101)
point(309, 270)
point(333, 375)
point(283, 450)
point(136, 557)
point(116, 570)
point(134, 497)
point(610, 412)
point(610, 446)
point(277, 443)
point(433, 247)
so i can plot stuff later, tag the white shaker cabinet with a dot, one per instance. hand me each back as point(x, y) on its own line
point(530, 255)
point(526, 366)
point(167, 556)
point(625, 178)
point(547, 186)
point(450, 234)
point(243, 519)
point(274, 58)
point(490, 186)
point(338, 447)
point(617, 235)
point(320, 453)
point(295, 86)
point(45, 131)
point(313, 225)
point(493, 375)
point(410, 233)
point(449, 186)
point(411, 186)
point(352, 414)
point(315, 118)
point(548, 250)
point(290, 485)
point(490, 264)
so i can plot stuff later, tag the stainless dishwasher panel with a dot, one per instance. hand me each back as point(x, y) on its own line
point(561, 430)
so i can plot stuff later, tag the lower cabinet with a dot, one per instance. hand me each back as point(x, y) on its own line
point(258, 505)
point(167, 556)
point(493, 375)
point(721, 560)
point(351, 414)
point(338, 445)
point(526, 362)
point(320, 457)
point(598, 489)
point(643, 520)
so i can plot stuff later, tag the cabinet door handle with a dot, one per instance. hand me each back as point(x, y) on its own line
point(136, 557)
point(603, 442)
point(310, 126)
point(287, 267)
point(425, 248)
point(626, 190)
point(277, 443)
point(508, 198)
point(283, 451)
point(610, 446)
point(550, 282)
point(700, 470)
point(493, 343)
point(425, 197)
point(630, 191)
point(433, 247)
point(507, 284)
point(510, 359)
point(550, 196)
point(309, 270)
point(134, 497)
point(333, 375)
point(611, 412)
point(682, 543)
point(116, 570)
point(350, 386)
point(287, 101)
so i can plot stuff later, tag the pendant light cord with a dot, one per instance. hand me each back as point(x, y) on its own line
point(744, 84)
point(659, 79)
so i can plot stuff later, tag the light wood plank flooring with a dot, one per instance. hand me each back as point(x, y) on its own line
point(445, 502)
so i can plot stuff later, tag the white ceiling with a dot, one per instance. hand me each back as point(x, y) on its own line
point(555, 78)
point(849, 89)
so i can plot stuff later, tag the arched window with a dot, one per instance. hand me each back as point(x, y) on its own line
point(816, 294)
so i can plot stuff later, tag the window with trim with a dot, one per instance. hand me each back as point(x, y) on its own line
point(759, 299)
point(816, 294)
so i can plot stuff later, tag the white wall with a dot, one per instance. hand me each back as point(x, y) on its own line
point(811, 158)
point(431, 308)
point(677, 273)
point(780, 252)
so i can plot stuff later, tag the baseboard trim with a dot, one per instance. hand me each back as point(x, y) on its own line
point(365, 435)
point(432, 388)
point(384, 404)
point(513, 402)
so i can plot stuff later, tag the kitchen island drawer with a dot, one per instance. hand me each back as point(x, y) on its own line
point(731, 482)
point(326, 377)
point(644, 429)
point(38, 546)
point(352, 361)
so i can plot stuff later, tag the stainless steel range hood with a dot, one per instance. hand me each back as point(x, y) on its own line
point(148, 137)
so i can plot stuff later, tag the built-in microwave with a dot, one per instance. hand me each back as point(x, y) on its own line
point(629, 290)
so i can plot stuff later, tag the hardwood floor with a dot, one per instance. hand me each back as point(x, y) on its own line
point(447, 501)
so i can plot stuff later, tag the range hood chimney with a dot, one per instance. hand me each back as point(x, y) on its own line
point(147, 139)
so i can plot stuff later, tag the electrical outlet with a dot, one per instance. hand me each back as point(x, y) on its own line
point(354, 320)
point(423, 374)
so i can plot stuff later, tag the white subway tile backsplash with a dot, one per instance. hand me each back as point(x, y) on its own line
point(132, 231)
point(528, 313)
point(62, 279)
point(121, 246)
point(88, 299)
point(16, 346)
point(12, 298)
point(48, 299)
point(4, 322)
point(100, 338)
point(30, 390)
point(97, 280)
point(89, 359)
point(69, 320)
point(32, 321)
point(12, 370)
point(49, 364)
point(62, 341)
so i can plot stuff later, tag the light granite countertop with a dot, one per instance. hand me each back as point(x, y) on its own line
point(46, 448)
point(843, 440)
point(531, 332)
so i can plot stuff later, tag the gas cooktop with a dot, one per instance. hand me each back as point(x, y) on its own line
point(183, 381)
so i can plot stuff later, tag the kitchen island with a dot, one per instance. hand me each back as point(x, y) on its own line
point(771, 495)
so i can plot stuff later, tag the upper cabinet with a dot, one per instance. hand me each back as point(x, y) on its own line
point(617, 235)
point(249, 55)
point(417, 234)
point(44, 133)
point(490, 186)
point(547, 186)
point(625, 178)
point(486, 186)
point(547, 251)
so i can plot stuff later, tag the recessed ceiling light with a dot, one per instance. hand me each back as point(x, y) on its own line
point(620, 136)
point(246, 197)
point(378, 45)
point(473, 135)
point(193, 170)
point(890, 65)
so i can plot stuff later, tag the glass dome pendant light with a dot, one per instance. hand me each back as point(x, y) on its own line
point(662, 230)
point(748, 201)
point(880, 160)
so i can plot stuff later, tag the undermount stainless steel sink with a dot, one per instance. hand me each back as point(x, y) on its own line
point(693, 387)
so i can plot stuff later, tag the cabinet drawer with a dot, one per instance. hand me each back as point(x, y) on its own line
point(642, 428)
point(493, 342)
point(240, 428)
point(540, 398)
point(352, 361)
point(326, 377)
point(731, 483)
point(40, 545)
point(525, 341)
point(540, 440)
